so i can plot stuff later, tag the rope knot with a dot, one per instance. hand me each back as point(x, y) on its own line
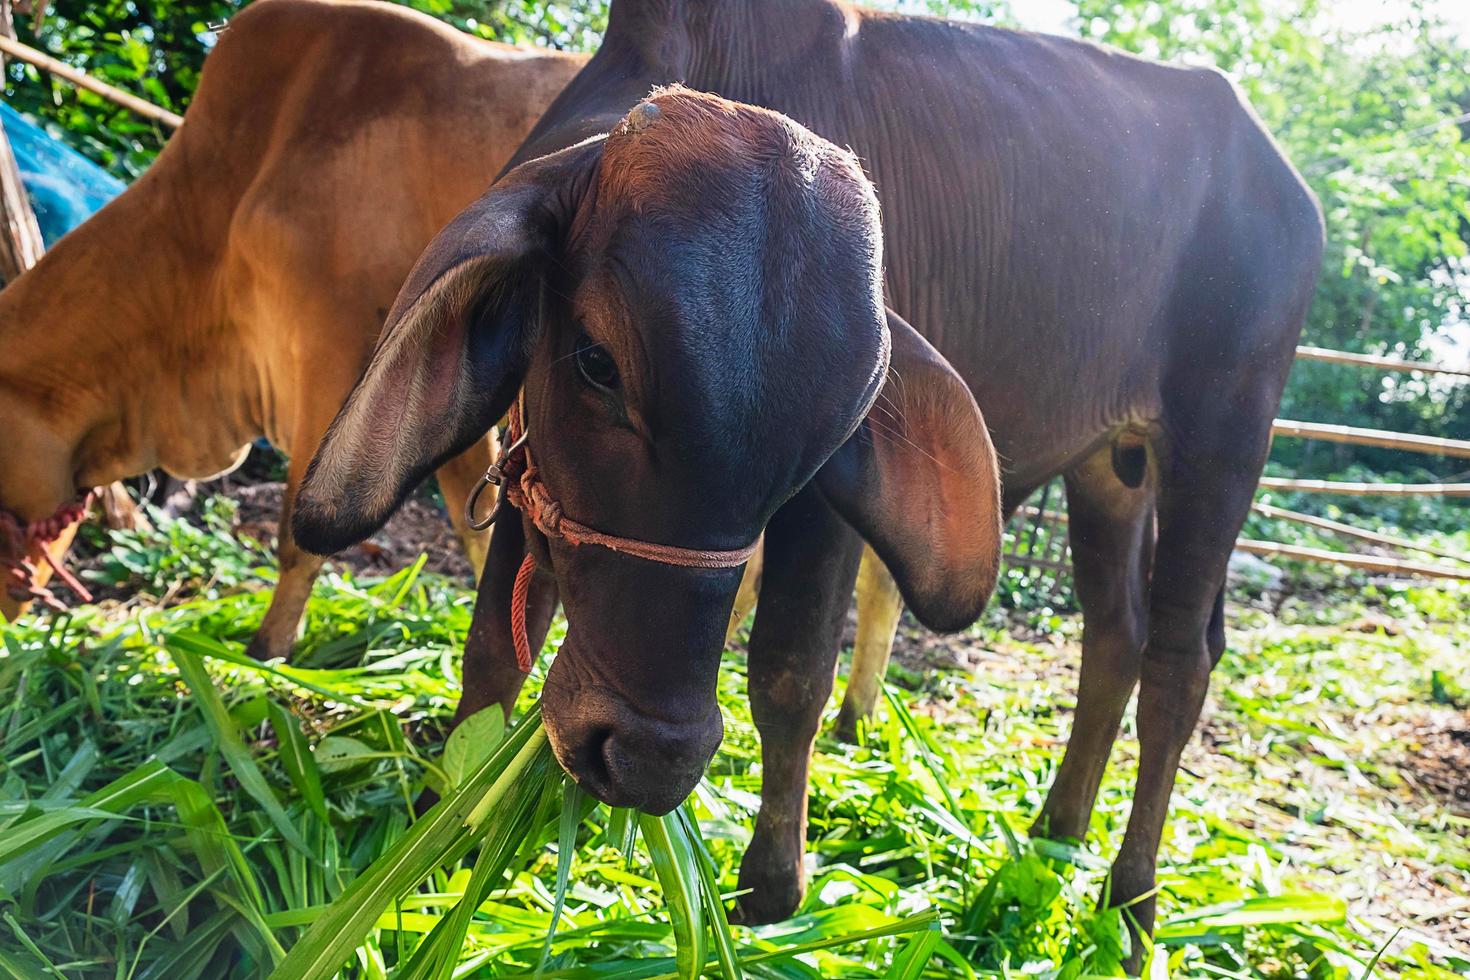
point(548, 514)
point(17, 540)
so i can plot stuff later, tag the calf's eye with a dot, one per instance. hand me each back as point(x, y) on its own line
point(596, 364)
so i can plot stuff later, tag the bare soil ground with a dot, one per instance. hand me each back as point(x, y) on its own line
point(419, 528)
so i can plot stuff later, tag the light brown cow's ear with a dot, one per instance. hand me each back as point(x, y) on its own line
point(919, 481)
point(452, 355)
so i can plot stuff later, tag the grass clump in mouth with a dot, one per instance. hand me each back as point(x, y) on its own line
point(510, 803)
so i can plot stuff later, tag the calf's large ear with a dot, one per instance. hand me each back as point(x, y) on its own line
point(919, 481)
point(451, 356)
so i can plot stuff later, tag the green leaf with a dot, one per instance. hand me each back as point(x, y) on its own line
point(710, 898)
point(339, 753)
point(231, 745)
point(298, 761)
point(472, 741)
point(913, 956)
point(436, 838)
point(1264, 910)
point(566, 843)
point(219, 855)
point(678, 876)
point(151, 780)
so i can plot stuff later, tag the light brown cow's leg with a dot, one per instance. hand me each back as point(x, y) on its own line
point(811, 563)
point(457, 478)
point(282, 620)
point(1111, 532)
point(750, 584)
point(298, 570)
point(879, 607)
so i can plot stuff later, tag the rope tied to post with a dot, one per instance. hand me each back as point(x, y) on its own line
point(517, 473)
point(17, 540)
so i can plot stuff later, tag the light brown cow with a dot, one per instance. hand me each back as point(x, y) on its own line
point(237, 288)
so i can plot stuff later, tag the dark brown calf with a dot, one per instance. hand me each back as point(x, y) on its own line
point(661, 298)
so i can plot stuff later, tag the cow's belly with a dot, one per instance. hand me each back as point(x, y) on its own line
point(204, 466)
point(1051, 397)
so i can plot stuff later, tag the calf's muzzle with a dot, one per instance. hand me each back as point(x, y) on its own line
point(620, 754)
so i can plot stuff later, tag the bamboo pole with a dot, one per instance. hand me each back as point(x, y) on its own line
point(1348, 489)
point(1371, 437)
point(1375, 361)
point(81, 79)
point(1366, 562)
point(21, 244)
point(1318, 555)
point(1348, 530)
point(1389, 540)
point(20, 234)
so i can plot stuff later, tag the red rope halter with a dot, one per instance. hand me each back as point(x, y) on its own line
point(16, 542)
point(528, 494)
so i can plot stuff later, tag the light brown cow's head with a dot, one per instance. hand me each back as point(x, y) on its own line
point(38, 485)
point(694, 307)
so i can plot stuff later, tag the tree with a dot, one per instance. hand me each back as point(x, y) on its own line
point(1374, 122)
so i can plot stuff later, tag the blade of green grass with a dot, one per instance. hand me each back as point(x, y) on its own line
point(437, 837)
point(709, 895)
point(678, 876)
point(231, 746)
point(150, 780)
point(297, 760)
point(566, 843)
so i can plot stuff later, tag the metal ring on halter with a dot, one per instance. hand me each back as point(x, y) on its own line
point(492, 477)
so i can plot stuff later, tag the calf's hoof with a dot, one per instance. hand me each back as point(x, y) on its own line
point(774, 893)
point(1132, 893)
point(850, 722)
point(263, 648)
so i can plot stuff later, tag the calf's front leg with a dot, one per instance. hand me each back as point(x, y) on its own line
point(489, 673)
point(811, 562)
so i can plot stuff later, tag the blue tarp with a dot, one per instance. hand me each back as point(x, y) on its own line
point(65, 187)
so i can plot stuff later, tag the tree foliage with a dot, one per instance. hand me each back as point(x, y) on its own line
point(1375, 123)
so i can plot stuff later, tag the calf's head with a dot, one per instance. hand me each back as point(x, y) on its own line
point(693, 305)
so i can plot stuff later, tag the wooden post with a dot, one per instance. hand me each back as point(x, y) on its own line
point(1355, 436)
point(1374, 361)
point(20, 244)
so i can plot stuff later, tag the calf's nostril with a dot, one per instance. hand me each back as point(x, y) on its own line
point(592, 768)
